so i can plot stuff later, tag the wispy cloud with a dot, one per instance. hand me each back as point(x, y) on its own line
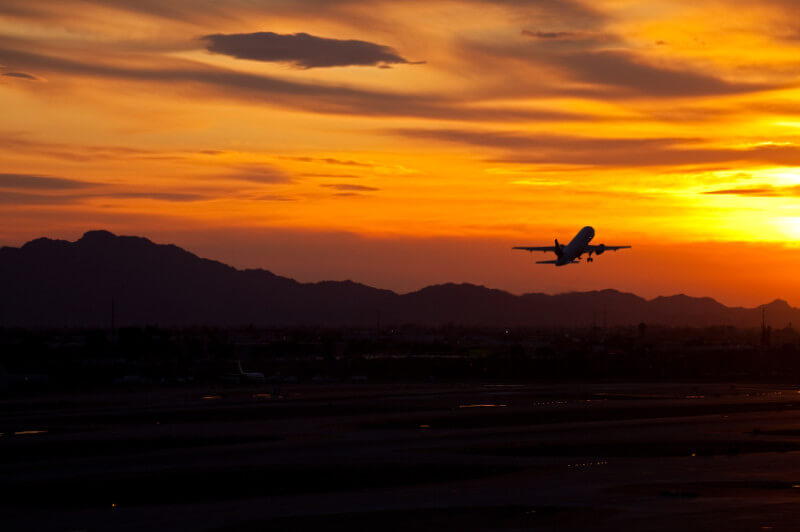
point(261, 173)
point(766, 191)
point(599, 151)
point(350, 187)
point(327, 160)
point(274, 91)
point(39, 182)
point(21, 75)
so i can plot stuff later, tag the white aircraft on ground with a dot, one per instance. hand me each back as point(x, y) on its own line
point(571, 253)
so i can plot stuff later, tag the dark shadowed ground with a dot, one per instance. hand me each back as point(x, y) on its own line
point(404, 457)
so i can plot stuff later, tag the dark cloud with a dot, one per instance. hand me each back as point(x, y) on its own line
point(70, 152)
point(263, 174)
point(21, 75)
point(350, 187)
point(302, 50)
point(555, 35)
point(327, 160)
point(595, 64)
point(331, 174)
point(548, 35)
point(38, 182)
point(765, 191)
point(540, 143)
point(25, 198)
point(273, 197)
point(622, 152)
point(162, 196)
point(51, 196)
point(553, 12)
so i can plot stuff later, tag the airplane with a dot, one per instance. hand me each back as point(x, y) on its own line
point(571, 253)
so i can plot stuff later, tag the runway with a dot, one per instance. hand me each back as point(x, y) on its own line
point(359, 456)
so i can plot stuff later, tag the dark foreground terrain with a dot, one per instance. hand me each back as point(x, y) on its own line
point(404, 457)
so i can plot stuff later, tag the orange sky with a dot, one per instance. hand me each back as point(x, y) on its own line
point(405, 143)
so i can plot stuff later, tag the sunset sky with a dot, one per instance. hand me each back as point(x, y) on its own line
point(407, 143)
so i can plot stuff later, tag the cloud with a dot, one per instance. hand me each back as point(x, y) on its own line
point(212, 81)
point(330, 174)
point(162, 196)
point(350, 188)
point(539, 143)
point(26, 198)
point(302, 50)
point(24, 189)
point(596, 64)
point(15, 142)
point(625, 70)
point(327, 160)
point(597, 151)
point(38, 182)
point(21, 75)
point(273, 197)
point(549, 34)
point(263, 174)
point(764, 191)
point(568, 36)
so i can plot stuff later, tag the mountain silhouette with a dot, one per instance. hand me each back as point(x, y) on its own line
point(57, 283)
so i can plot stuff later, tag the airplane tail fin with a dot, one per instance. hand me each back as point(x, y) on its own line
point(559, 249)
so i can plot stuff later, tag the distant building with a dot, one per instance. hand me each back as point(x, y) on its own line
point(766, 330)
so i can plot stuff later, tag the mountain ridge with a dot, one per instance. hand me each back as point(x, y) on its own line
point(54, 283)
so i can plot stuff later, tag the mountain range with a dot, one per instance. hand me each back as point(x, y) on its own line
point(56, 283)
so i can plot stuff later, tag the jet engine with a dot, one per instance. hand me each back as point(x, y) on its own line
point(600, 249)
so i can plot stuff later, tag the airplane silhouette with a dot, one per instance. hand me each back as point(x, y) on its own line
point(571, 253)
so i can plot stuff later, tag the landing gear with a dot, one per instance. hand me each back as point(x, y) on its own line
point(589, 259)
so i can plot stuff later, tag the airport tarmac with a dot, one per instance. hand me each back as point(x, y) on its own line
point(361, 456)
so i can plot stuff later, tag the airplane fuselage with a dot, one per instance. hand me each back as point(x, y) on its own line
point(571, 253)
point(576, 247)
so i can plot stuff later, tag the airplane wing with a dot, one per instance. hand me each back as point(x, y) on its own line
point(594, 248)
point(551, 249)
